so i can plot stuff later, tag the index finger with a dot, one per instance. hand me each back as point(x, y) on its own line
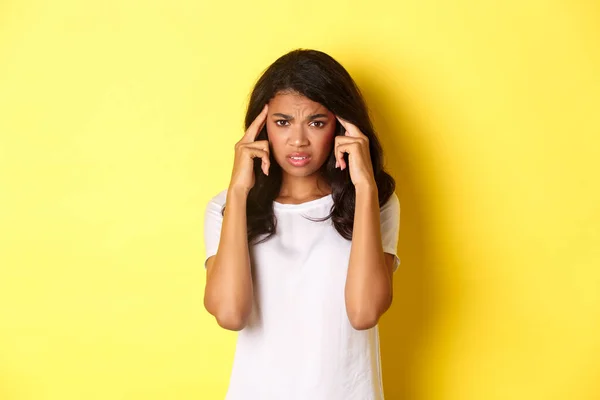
point(351, 129)
point(256, 125)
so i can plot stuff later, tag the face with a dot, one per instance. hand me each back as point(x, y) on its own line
point(301, 133)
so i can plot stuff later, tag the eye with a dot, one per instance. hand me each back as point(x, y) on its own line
point(322, 124)
point(280, 120)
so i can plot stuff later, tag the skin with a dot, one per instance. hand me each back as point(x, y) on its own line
point(369, 288)
point(297, 124)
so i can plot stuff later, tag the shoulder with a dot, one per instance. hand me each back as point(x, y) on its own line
point(393, 202)
point(219, 198)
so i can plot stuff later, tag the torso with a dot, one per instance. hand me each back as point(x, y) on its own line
point(299, 343)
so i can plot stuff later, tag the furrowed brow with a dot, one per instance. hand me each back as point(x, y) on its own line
point(309, 118)
point(284, 116)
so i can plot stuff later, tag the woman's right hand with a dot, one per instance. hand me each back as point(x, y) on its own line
point(242, 176)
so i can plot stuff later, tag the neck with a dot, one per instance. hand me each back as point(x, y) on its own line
point(302, 187)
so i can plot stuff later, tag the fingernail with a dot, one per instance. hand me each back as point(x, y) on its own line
point(336, 163)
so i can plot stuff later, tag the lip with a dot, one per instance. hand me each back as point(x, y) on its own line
point(298, 163)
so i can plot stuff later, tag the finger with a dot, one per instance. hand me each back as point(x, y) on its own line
point(335, 152)
point(263, 155)
point(340, 149)
point(351, 129)
point(339, 141)
point(352, 148)
point(256, 125)
point(261, 144)
point(345, 139)
point(266, 159)
point(265, 165)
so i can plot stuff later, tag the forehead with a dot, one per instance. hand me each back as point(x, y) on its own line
point(295, 101)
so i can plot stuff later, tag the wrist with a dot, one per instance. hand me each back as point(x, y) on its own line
point(367, 187)
point(237, 193)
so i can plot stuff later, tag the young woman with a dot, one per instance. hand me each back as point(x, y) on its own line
point(301, 247)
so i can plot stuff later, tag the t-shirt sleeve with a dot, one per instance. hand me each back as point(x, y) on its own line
point(390, 227)
point(213, 221)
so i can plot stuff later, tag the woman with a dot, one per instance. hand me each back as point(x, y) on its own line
point(301, 247)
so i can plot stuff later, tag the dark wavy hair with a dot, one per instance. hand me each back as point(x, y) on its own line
point(319, 77)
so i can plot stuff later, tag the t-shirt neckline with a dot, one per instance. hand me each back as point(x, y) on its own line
point(306, 204)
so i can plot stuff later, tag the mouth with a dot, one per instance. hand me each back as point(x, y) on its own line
point(298, 159)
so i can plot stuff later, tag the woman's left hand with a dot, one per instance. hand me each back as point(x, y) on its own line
point(356, 144)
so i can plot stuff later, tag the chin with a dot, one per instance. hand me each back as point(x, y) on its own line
point(300, 173)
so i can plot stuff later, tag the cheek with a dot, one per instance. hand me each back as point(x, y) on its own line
point(276, 143)
point(325, 142)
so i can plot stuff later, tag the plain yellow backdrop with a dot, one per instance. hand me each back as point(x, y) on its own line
point(117, 124)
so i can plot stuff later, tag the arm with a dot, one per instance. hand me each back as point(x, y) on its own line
point(368, 291)
point(228, 293)
point(369, 288)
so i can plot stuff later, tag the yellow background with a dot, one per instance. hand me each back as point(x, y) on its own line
point(118, 120)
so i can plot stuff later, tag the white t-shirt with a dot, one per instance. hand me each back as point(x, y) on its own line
point(299, 343)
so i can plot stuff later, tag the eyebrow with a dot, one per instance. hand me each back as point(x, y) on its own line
point(309, 118)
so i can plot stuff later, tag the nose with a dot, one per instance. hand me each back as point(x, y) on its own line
point(298, 137)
